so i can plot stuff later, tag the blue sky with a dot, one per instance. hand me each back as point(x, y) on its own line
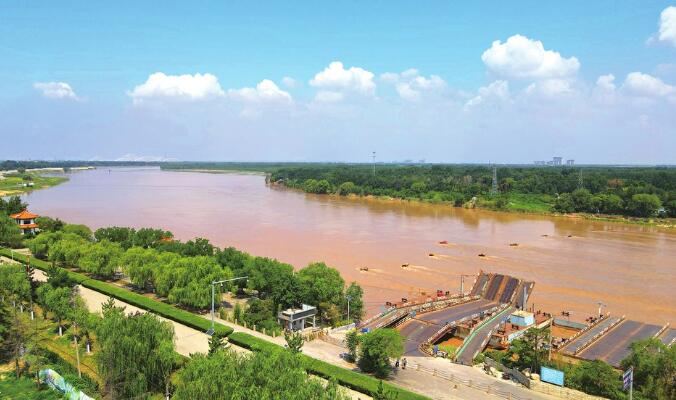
point(76, 80)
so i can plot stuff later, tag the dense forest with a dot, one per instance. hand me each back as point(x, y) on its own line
point(630, 191)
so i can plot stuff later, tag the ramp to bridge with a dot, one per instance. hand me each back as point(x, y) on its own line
point(613, 346)
point(419, 329)
point(477, 340)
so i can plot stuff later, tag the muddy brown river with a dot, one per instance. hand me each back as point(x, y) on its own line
point(575, 263)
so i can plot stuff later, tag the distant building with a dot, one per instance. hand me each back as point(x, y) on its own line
point(522, 318)
point(26, 222)
point(539, 163)
point(570, 163)
point(294, 319)
point(556, 161)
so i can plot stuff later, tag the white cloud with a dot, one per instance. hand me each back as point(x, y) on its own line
point(606, 82)
point(265, 91)
point(184, 87)
point(550, 88)
point(498, 90)
point(646, 85)
point(289, 82)
point(668, 25)
point(327, 96)
point(410, 84)
point(335, 76)
point(521, 57)
point(56, 90)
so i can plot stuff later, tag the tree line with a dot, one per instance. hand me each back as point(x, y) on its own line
point(182, 272)
point(631, 191)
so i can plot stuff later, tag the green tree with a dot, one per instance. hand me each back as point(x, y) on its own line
point(136, 353)
point(148, 237)
point(140, 266)
point(654, 368)
point(82, 231)
point(320, 283)
point(595, 378)
point(13, 205)
point(58, 301)
point(383, 394)
point(352, 343)
point(216, 341)
point(564, 203)
point(115, 234)
point(294, 341)
point(644, 205)
point(48, 224)
point(10, 234)
point(530, 350)
point(101, 259)
point(376, 350)
point(226, 375)
point(582, 200)
point(356, 294)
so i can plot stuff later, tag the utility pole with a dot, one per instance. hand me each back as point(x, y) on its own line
point(601, 305)
point(348, 307)
point(213, 297)
point(374, 163)
point(462, 284)
point(77, 355)
point(551, 325)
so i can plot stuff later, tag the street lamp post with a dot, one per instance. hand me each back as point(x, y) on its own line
point(213, 296)
point(601, 305)
point(348, 307)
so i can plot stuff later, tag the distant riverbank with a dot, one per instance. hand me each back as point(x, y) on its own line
point(514, 203)
point(15, 183)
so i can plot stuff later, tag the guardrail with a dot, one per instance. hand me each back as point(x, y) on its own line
point(489, 389)
point(473, 330)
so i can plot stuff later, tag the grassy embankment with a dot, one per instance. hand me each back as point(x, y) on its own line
point(13, 184)
point(24, 389)
point(352, 379)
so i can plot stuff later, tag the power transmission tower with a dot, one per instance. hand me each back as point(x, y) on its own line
point(494, 187)
point(374, 163)
point(580, 181)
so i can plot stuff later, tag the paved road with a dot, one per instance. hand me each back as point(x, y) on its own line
point(476, 340)
point(581, 340)
point(421, 328)
point(613, 347)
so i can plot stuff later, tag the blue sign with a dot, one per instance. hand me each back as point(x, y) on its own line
point(628, 378)
point(551, 375)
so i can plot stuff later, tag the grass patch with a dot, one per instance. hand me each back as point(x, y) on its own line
point(14, 183)
point(24, 389)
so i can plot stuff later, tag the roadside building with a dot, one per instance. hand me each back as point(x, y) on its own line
point(26, 222)
point(295, 319)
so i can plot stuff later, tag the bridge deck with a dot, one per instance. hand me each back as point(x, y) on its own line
point(613, 346)
point(580, 341)
point(668, 336)
point(423, 326)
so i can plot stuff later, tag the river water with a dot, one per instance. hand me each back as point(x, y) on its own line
point(575, 263)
